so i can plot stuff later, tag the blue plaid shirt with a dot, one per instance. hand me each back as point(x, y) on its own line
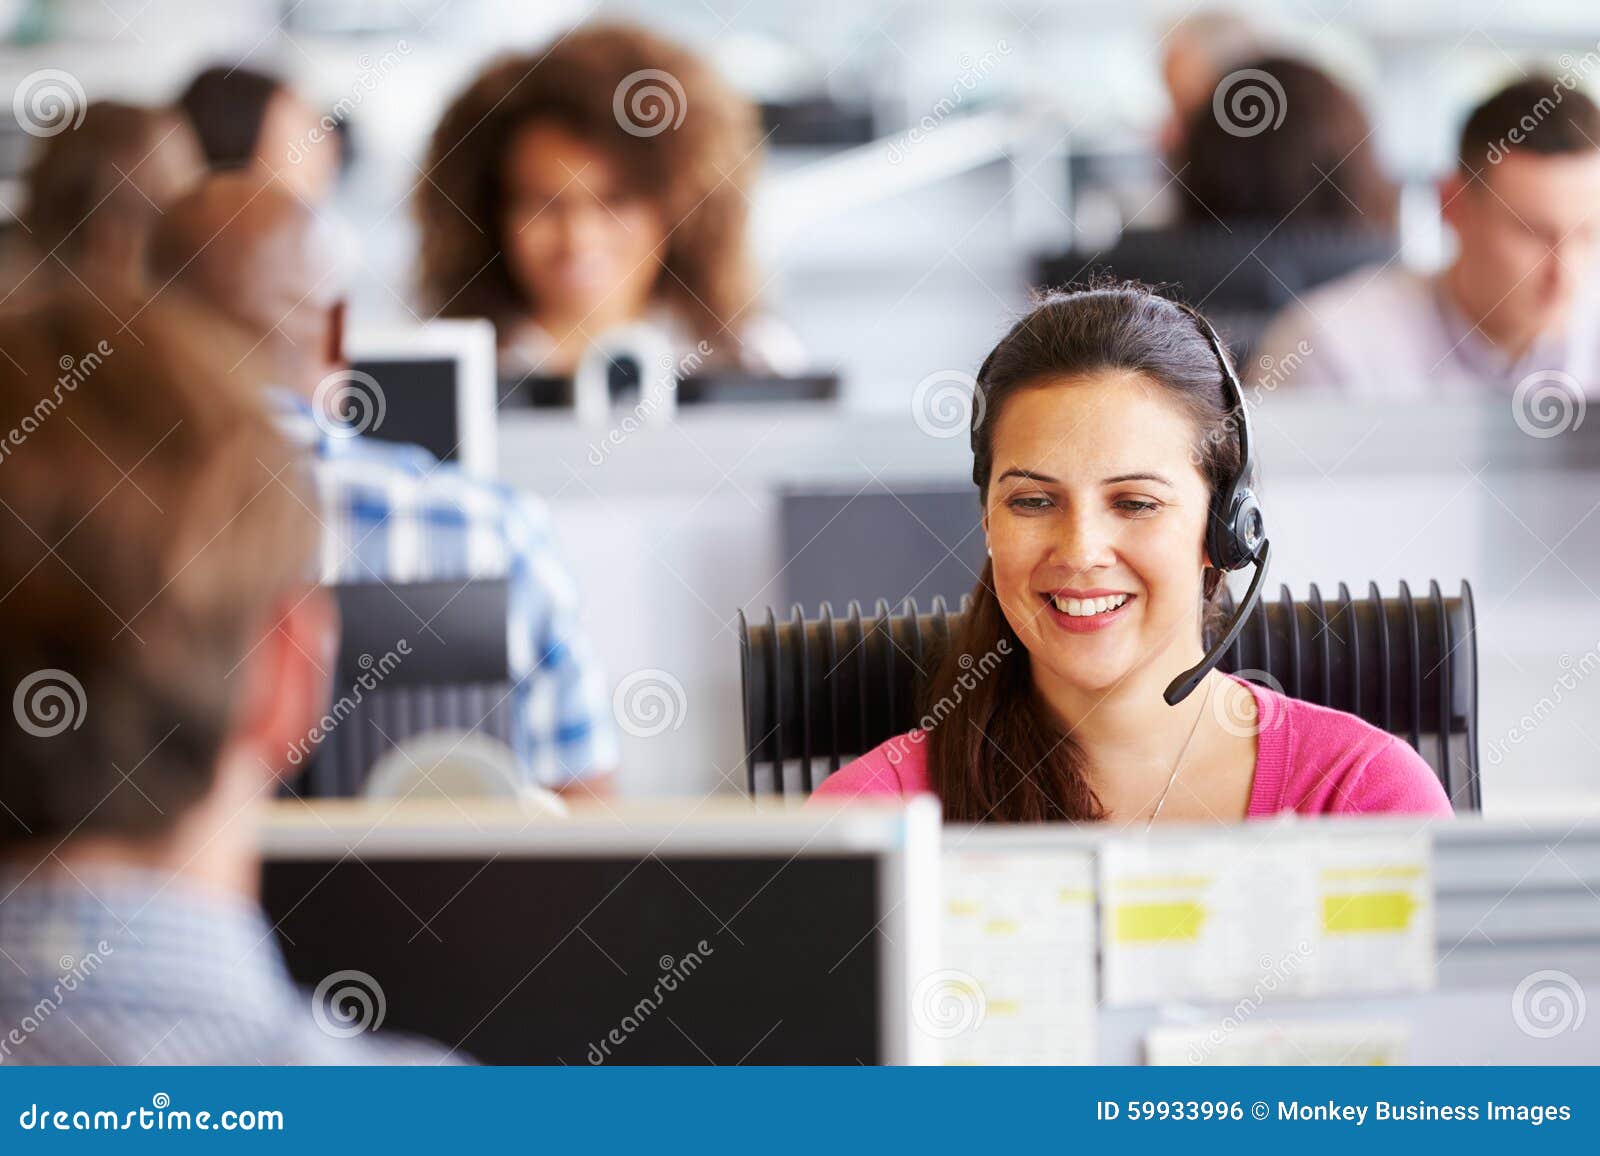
point(394, 513)
point(122, 966)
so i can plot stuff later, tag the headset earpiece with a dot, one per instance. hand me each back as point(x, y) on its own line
point(1236, 531)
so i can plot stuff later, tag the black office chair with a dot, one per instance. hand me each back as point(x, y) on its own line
point(1241, 275)
point(827, 689)
point(453, 673)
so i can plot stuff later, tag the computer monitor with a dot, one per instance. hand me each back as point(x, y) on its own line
point(437, 383)
point(687, 935)
point(741, 387)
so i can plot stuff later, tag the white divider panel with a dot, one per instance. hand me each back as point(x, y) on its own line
point(1297, 911)
point(1019, 952)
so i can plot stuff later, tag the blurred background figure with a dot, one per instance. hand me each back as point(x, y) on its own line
point(170, 623)
point(250, 119)
point(94, 194)
point(599, 183)
point(1319, 166)
point(1199, 50)
point(1520, 296)
point(390, 513)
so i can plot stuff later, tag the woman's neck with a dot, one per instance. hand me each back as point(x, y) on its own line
point(1128, 726)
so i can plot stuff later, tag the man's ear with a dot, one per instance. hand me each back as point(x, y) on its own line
point(284, 684)
point(1451, 190)
point(333, 351)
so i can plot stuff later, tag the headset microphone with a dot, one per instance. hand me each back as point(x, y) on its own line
point(1235, 532)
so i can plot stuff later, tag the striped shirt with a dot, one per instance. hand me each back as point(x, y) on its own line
point(394, 513)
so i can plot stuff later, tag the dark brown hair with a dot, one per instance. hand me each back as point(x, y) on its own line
point(997, 754)
point(227, 107)
point(95, 192)
point(1541, 114)
point(131, 598)
point(697, 170)
point(1317, 166)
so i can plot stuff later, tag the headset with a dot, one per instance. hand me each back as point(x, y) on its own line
point(1236, 533)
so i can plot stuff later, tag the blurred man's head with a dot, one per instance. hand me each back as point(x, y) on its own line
point(246, 246)
point(249, 120)
point(1525, 207)
point(163, 642)
point(94, 192)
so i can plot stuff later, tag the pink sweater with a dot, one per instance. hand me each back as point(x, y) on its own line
point(1309, 759)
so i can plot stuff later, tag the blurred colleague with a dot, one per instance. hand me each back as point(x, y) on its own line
point(1520, 296)
point(1317, 167)
point(94, 192)
point(1199, 50)
point(163, 652)
point(1106, 433)
point(598, 184)
point(250, 120)
point(392, 513)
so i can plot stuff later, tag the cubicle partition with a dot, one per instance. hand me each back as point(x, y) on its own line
point(1325, 941)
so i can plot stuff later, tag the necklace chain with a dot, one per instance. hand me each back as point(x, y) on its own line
point(1178, 763)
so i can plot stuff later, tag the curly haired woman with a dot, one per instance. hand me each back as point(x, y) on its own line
point(598, 184)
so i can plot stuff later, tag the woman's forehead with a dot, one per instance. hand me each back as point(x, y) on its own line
point(1066, 427)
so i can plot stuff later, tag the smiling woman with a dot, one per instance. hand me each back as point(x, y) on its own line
point(1105, 429)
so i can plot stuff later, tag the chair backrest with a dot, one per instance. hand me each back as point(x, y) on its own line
point(413, 657)
point(818, 692)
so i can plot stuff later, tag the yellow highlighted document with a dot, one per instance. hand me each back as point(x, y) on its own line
point(1367, 911)
point(1158, 922)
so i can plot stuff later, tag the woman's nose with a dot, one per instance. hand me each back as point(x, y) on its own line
point(1085, 543)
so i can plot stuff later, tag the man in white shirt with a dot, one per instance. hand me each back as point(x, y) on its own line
point(1517, 307)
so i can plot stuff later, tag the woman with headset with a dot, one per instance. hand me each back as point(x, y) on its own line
point(1112, 458)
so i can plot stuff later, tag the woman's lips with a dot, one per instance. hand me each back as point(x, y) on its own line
point(1085, 623)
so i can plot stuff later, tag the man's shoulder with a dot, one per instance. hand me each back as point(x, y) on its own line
point(1374, 293)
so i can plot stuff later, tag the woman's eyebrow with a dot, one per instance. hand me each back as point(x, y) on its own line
point(1137, 478)
point(1036, 476)
point(1030, 475)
